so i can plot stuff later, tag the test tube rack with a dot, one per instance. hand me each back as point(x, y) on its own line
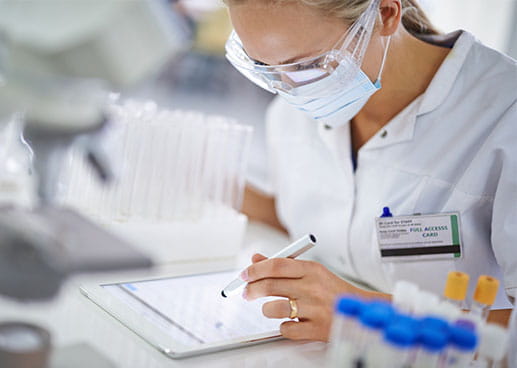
point(180, 179)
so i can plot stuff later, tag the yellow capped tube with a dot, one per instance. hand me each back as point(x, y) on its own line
point(486, 290)
point(456, 286)
point(484, 296)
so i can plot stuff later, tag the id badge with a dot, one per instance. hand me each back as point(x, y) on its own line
point(419, 237)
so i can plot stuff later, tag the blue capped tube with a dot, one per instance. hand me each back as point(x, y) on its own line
point(435, 323)
point(433, 341)
point(345, 331)
point(399, 343)
point(374, 318)
point(462, 346)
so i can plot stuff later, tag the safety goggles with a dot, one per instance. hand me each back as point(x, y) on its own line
point(345, 58)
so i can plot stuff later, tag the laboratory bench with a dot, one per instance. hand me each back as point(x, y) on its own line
point(84, 335)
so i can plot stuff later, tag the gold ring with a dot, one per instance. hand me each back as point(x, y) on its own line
point(294, 309)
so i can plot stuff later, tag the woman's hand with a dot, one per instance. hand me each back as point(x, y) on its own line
point(312, 286)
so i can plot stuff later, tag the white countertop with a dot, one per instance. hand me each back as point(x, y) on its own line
point(72, 318)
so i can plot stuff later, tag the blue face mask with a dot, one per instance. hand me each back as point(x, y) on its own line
point(344, 102)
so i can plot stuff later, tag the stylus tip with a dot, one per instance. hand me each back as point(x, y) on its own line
point(223, 294)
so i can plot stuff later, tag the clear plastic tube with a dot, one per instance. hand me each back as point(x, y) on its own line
point(174, 166)
point(456, 288)
point(240, 176)
point(427, 359)
point(425, 303)
point(462, 346)
point(342, 344)
point(433, 342)
point(480, 310)
point(493, 345)
point(512, 328)
point(399, 343)
point(344, 332)
point(173, 171)
point(484, 296)
point(373, 319)
point(404, 295)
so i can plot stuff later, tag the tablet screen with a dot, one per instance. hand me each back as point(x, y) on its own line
point(191, 309)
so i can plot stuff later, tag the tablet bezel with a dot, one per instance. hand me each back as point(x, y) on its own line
point(151, 333)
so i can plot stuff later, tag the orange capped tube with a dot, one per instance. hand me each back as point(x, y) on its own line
point(456, 287)
point(486, 290)
point(484, 296)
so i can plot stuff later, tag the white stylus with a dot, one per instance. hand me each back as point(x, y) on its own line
point(291, 251)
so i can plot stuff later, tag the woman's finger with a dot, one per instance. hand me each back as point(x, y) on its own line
point(257, 257)
point(287, 288)
point(298, 330)
point(274, 268)
point(282, 309)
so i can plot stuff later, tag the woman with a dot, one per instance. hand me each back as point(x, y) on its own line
point(376, 109)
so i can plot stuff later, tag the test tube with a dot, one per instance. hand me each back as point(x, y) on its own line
point(149, 171)
point(463, 343)
point(404, 295)
point(448, 310)
point(456, 288)
point(484, 296)
point(140, 178)
point(211, 166)
point(400, 340)
point(493, 345)
point(246, 134)
point(198, 141)
point(173, 163)
point(435, 323)
point(132, 155)
point(174, 148)
point(230, 164)
point(512, 353)
point(220, 133)
point(181, 164)
point(433, 341)
point(465, 323)
point(373, 319)
point(425, 303)
point(344, 331)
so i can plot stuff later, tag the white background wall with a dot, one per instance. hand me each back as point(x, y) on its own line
point(491, 21)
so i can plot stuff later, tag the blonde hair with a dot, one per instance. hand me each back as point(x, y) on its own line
point(414, 19)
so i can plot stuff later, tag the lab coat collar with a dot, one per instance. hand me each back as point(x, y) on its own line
point(438, 90)
point(401, 128)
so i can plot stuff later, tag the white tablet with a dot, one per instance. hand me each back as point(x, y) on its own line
point(186, 315)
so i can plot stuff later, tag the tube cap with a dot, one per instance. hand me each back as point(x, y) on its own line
point(465, 324)
point(494, 342)
point(425, 303)
point(405, 320)
point(464, 339)
point(433, 339)
point(376, 315)
point(349, 306)
point(456, 286)
point(404, 294)
point(401, 334)
point(486, 290)
point(435, 323)
point(448, 310)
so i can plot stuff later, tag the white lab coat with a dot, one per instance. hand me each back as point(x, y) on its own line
point(453, 149)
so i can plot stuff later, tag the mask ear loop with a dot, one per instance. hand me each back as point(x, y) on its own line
point(384, 57)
